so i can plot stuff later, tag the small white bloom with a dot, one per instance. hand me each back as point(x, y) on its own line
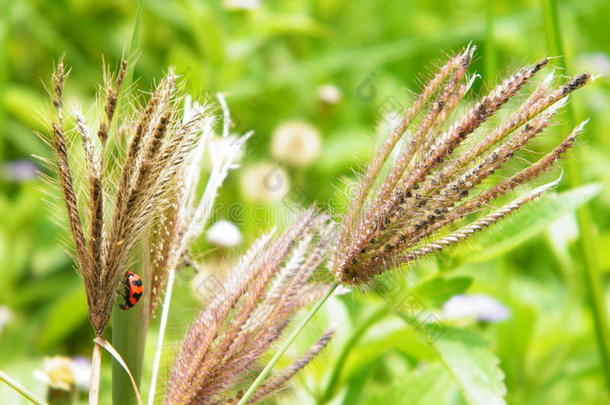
point(329, 93)
point(224, 234)
point(264, 182)
point(64, 373)
point(81, 366)
point(296, 143)
point(476, 306)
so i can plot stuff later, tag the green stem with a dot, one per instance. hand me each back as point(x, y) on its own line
point(5, 378)
point(129, 339)
point(6, 10)
point(96, 368)
point(132, 51)
point(129, 327)
point(490, 54)
point(285, 345)
point(331, 386)
point(587, 243)
point(162, 327)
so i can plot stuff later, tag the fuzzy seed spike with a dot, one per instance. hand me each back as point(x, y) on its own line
point(439, 185)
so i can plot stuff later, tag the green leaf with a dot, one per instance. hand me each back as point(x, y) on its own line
point(474, 367)
point(66, 314)
point(358, 383)
point(466, 356)
point(525, 224)
point(430, 386)
point(434, 292)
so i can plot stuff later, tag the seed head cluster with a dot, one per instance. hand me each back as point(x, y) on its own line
point(109, 216)
point(247, 315)
point(429, 173)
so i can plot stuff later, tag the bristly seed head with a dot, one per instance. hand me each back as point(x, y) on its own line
point(156, 154)
point(388, 224)
point(248, 313)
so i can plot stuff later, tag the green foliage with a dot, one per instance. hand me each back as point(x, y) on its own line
point(435, 292)
point(270, 62)
point(527, 223)
point(475, 368)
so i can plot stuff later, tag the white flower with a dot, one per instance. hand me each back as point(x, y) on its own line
point(475, 306)
point(81, 366)
point(329, 93)
point(296, 143)
point(224, 151)
point(264, 182)
point(64, 373)
point(224, 234)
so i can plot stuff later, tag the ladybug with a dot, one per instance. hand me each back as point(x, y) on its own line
point(133, 290)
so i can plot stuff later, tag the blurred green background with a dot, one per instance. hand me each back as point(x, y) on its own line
point(336, 65)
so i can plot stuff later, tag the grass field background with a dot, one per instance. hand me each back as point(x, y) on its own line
point(339, 66)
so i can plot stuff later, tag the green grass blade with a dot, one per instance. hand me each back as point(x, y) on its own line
point(331, 386)
point(129, 340)
point(587, 244)
point(285, 345)
point(129, 327)
point(490, 56)
point(8, 380)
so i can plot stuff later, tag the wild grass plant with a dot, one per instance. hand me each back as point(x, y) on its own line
point(136, 186)
point(348, 301)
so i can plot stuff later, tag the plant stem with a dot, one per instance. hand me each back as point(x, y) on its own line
point(129, 339)
point(346, 350)
point(587, 243)
point(129, 327)
point(8, 380)
point(490, 55)
point(162, 326)
point(6, 10)
point(96, 366)
point(134, 43)
point(285, 345)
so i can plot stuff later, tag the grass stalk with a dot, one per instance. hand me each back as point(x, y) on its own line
point(490, 55)
point(162, 327)
point(8, 380)
point(132, 51)
point(331, 386)
point(129, 327)
point(587, 243)
point(285, 345)
point(96, 368)
point(6, 10)
point(129, 340)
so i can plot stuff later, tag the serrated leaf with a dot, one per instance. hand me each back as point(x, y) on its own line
point(525, 224)
point(466, 356)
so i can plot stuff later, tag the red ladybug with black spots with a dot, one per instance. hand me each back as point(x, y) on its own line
point(134, 288)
